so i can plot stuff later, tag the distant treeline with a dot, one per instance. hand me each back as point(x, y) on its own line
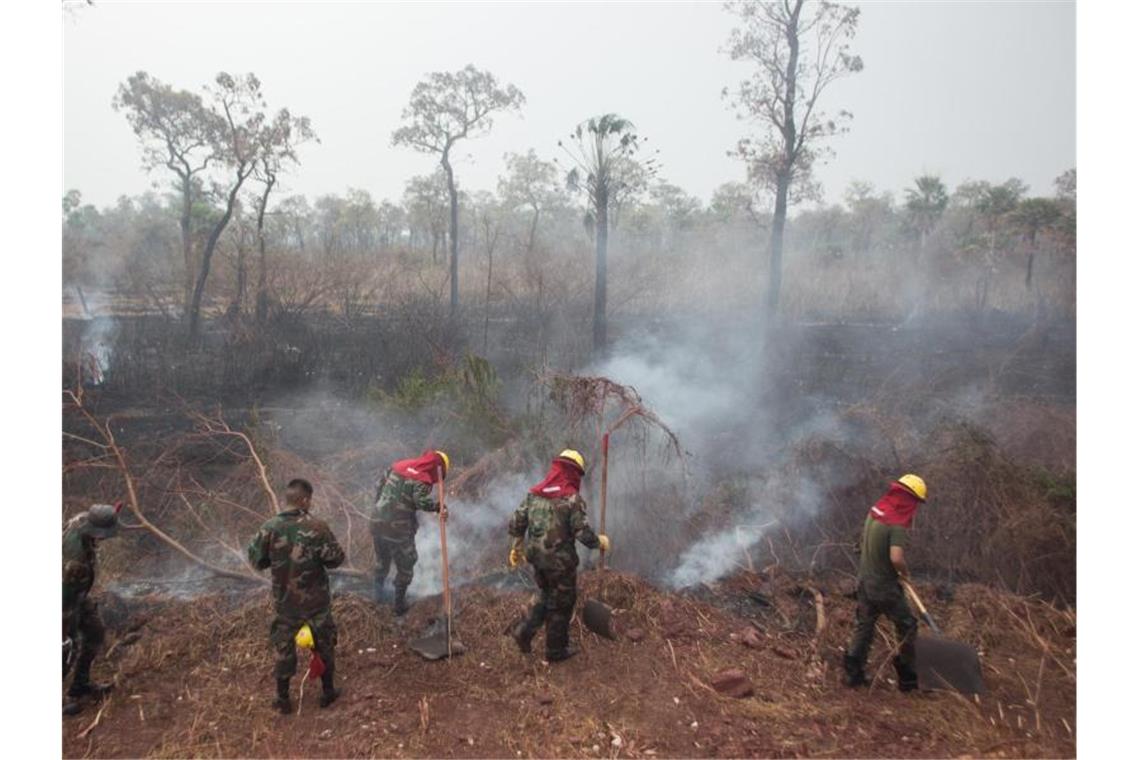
point(876, 256)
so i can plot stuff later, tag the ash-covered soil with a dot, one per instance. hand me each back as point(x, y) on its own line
point(194, 679)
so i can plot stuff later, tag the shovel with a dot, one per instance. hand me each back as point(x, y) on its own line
point(944, 663)
point(437, 641)
point(596, 614)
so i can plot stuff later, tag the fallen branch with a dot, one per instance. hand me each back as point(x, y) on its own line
point(94, 723)
point(132, 502)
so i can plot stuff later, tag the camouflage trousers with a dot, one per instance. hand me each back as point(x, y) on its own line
point(87, 633)
point(558, 591)
point(871, 602)
point(389, 550)
point(284, 628)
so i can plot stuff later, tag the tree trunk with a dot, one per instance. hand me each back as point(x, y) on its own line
point(533, 231)
point(453, 235)
point(187, 249)
point(776, 258)
point(262, 275)
point(784, 178)
point(207, 255)
point(601, 240)
point(239, 296)
point(1032, 253)
point(487, 297)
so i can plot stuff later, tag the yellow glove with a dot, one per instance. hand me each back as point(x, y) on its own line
point(604, 542)
point(516, 556)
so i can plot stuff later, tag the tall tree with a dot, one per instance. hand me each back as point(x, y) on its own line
point(427, 202)
point(230, 133)
point(797, 53)
point(178, 132)
point(238, 107)
point(277, 152)
point(925, 204)
point(530, 183)
point(1031, 216)
point(604, 152)
point(447, 107)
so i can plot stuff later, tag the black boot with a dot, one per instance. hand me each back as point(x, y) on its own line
point(908, 678)
point(283, 704)
point(855, 677)
point(329, 693)
point(400, 606)
point(81, 685)
point(561, 654)
point(522, 633)
point(72, 707)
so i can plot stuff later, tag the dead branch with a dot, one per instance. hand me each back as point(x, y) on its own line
point(218, 426)
point(132, 502)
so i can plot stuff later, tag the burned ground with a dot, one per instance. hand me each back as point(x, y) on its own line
point(194, 680)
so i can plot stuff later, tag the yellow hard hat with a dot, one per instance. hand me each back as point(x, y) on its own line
point(446, 461)
point(304, 637)
point(575, 457)
point(915, 485)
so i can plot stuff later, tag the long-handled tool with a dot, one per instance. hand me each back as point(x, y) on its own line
point(943, 663)
point(443, 555)
point(602, 497)
point(436, 644)
point(596, 614)
point(921, 607)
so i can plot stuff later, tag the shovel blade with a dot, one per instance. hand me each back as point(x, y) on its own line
point(433, 645)
point(599, 618)
point(947, 664)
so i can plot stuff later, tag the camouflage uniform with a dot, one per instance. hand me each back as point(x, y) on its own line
point(298, 548)
point(394, 524)
point(81, 621)
point(549, 527)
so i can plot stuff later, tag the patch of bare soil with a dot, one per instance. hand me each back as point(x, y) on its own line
point(196, 681)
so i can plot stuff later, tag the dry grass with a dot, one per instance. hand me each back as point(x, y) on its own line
point(198, 684)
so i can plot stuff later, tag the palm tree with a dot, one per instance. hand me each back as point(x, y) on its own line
point(925, 203)
point(603, 152)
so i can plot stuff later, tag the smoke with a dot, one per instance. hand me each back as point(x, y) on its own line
point(96, 349)
point(718, 386)
point(97, 340)
point(721, 552)
point(476, 535)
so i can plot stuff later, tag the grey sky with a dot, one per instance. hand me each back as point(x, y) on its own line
point(979, 90)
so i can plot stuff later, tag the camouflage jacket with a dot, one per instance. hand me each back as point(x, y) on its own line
point(78, 563)
point(550, 527)
point(297, 548)
point(397, 499)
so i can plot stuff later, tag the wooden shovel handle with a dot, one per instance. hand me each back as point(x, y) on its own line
point(918, 603)
point(605, 478)
point(443, 557)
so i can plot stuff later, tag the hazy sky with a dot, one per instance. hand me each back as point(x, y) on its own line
point(981, 90)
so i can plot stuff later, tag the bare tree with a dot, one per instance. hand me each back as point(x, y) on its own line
point(1031, 216)
point(532, 183)
point(447, 107)
point(177, 132)
point(797, 53)
point(232, 132)
point(238, 107)
point(604, 151)
point(427, 201)
point(278, 150)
